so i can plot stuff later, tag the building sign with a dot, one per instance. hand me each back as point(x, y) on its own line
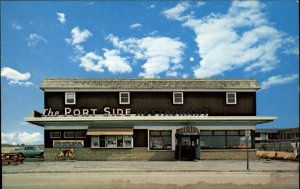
point(68, 143)
point(108, 111)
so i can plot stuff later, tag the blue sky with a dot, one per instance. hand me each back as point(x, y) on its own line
point(115, 39)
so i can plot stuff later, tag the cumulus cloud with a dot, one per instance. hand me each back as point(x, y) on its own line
point(241, 38)
point(15, 77)
point(135, 26)
point(33, 39)
point(21, 138)
point(160, 54)
point(278, 80)
point(78, 36)
point(61, 17)
point(175, 13)
point(111, 60)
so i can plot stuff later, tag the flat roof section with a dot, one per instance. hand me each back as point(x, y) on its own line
point(121, 119)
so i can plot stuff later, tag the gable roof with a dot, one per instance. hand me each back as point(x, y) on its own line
point(139, 84)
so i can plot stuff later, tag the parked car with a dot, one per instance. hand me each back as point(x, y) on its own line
point(28, 151)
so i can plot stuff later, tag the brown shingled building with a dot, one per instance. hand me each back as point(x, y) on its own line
point(149, 119)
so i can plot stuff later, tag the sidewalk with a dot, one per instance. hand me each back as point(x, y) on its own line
point(151, 166)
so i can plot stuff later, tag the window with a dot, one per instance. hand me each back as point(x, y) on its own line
point(55, 135)
point(124, 98)
point(160, 140)
point(70, 98)
point(80, 134)
point(118, 141)
point(223, 139)
point(68, 134)
point(231, 98)
point(111, 141)
point(177, 97)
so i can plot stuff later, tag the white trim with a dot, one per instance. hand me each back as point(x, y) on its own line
point(174, 93)
point(120, 97)
point(74, 98)
point(149, 90)
point(60, 127)
point(235, 98)
point(258, 119)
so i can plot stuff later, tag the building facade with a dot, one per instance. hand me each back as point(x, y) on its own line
point(277, 135)
point(149, 119)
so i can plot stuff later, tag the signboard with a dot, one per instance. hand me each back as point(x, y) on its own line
point(68, 143)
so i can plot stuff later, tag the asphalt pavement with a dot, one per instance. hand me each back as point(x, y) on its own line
point(72, 166)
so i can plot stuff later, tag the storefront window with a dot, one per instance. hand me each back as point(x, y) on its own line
point(112, 141)
point(160, 140)
point(223, 139)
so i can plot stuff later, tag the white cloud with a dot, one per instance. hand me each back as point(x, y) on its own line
point(21, 138)
point(16, 25)
point(175, 13)
point(152, 6)
point(200, 3)
point(112, 61)
point(278, 80)
point(240, 38)
point(292, 46)
point(159, 53)
point(15, 77)
point(78, 36)
point(171, 74)
point(135, 26)
point(33, 39)
point(61, 17)
point(185, 75)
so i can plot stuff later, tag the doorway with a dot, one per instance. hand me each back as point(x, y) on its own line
point(187, 147)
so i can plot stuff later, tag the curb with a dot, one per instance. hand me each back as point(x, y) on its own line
point(149, 171)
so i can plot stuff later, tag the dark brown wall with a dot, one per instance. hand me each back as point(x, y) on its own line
point(214, 102)
point(48, 143)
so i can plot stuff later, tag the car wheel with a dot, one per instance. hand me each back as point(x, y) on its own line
point(23, 155)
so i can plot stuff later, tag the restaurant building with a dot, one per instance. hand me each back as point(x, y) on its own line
point(149, 119)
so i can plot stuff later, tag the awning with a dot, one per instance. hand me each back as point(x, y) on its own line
point(110, 131)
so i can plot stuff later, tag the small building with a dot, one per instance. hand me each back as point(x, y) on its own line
point(277, 135)
point(149, 119)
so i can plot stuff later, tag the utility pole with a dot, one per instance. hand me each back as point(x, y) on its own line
point(247, 136)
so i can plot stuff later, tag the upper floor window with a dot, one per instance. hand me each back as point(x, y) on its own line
point(231, 98)
point(70, 98)
point(124, 98)
point(177, 97)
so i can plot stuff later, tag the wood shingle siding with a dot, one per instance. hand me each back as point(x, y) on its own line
point(213, 102)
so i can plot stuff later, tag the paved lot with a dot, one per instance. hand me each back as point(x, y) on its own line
point(31, 166)
point(152, 180)
point(226, 174)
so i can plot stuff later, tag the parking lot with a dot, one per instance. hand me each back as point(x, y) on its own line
point(231, 174)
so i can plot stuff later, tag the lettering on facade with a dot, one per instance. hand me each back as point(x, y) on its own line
point(108, 111)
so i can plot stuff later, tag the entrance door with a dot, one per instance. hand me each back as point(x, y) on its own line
point(187, 147)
